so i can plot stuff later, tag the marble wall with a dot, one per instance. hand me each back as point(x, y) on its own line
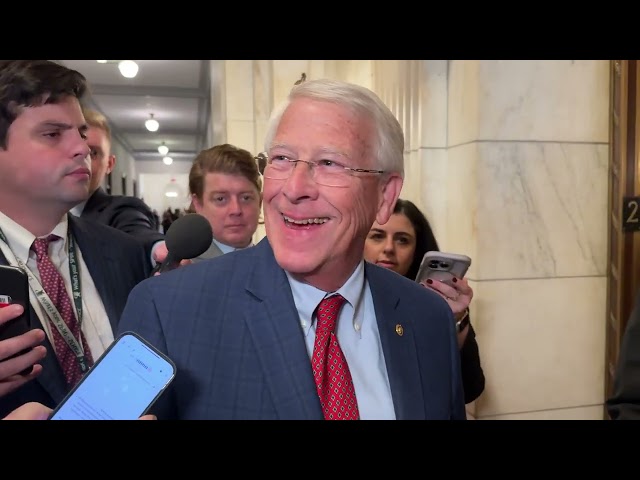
point(512, 158)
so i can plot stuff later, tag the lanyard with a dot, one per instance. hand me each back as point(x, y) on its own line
point(49, 307)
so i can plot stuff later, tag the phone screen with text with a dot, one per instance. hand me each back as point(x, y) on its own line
point(121, 385)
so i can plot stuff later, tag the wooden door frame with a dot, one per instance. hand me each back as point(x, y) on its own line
point(623, 252)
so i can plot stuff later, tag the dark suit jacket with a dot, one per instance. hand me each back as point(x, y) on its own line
point(624, 404)
point(232, 328)
point(129, 214)
point(116, 263)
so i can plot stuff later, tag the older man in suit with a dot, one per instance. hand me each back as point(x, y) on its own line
point(80, 273)
point(299, 326)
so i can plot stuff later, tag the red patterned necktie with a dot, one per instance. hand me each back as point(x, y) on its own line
point(330, 369)
point(53, 284)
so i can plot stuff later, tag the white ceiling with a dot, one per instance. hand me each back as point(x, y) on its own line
point(177, 92)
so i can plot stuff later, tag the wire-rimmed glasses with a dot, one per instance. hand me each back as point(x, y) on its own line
point(324, 172)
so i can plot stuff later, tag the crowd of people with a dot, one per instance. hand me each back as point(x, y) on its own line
point(321, 319)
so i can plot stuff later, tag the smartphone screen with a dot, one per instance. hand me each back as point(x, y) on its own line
point(122, 385)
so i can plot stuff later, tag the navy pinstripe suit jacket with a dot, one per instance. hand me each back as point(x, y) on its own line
point(231, 326)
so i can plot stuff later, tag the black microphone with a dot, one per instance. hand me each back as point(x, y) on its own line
point(188, 237)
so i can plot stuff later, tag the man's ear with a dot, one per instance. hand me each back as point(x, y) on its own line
point(390, 188)
point(111, 163)
point(197, 204)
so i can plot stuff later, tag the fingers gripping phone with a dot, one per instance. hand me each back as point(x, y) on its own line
point(443, 267)
point(122, 385)
point(14, 288)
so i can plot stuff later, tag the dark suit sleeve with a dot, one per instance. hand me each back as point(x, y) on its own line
point(472, 373)
point(624, 404)
point(134, 217)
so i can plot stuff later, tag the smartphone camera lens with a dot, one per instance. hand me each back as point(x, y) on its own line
point(434, 264)
point(444, 265)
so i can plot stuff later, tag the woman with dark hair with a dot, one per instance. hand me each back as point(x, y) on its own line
point(399, 245)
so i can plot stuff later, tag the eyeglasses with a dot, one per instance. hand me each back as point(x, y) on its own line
point(324, 172)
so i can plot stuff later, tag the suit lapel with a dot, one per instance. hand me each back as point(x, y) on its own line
point(399, 346)
point(51, 378)
point(102, 261)
point(272, 320)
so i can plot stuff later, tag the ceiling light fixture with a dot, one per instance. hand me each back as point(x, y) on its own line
point(102, 61)
point(163, 149)
point(167, 160)
point(128, 68)
point(152, 124)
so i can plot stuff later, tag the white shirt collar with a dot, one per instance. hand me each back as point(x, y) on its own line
point(20, 239)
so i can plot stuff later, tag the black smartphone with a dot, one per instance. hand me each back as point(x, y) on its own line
point(14, 288)
point(122, 385)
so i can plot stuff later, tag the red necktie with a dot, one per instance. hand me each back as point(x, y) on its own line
point(330, 369)
point(53, 284)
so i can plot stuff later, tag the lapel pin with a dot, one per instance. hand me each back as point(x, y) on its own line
point(399, 329)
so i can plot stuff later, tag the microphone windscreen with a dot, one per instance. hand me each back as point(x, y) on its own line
point(188, 237)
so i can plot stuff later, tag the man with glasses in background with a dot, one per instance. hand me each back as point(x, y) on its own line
point(299, 326)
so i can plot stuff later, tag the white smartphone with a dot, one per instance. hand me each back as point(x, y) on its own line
point(122, 385)
point(443, 266)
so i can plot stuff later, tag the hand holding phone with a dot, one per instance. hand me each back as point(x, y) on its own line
point(38, 411)
point(122, 385)
point(443, 267)
point(29, 411)
point(20, 354)
point(14, 290)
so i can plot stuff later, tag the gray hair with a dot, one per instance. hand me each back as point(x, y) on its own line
point(389, 144)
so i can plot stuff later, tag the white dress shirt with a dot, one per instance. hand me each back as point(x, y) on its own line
point(95, 323)
point(359, 338)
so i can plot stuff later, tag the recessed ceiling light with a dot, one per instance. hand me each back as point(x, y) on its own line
point(163, 149)
point(167, 160)
point(152, 124)
point(128, 68)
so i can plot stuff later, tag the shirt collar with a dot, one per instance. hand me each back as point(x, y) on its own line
point(78, 209)
point(20, 239)
point(224, 248)
point(307, 297)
